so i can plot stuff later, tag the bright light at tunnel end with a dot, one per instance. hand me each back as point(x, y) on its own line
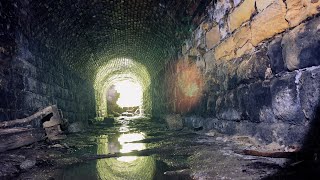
point(130, 93)
point(118, 70)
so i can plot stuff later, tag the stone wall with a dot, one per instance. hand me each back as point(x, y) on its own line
point(32, 82)
point(260, 64)
point(32, 77)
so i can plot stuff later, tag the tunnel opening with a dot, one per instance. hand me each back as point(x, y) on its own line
point(128, 78)
point(240, 71)
point(125, 97)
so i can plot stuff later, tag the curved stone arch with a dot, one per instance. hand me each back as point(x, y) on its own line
point(119, 69)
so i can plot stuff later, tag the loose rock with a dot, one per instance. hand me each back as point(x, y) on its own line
point(27, 164)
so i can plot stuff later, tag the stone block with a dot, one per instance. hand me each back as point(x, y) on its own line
point(174, 122)
point(252, 68)
point(301, 46)
point(225, 50)
point(227, 107)
point(236, 45)
point(285, 99)
point(275, 55)
point(295, 135)
point(245, 49)
point(225, 127)
point(263, 4)
point(241, 14)
point(245, 103)
point(193, 122)
point(242, 36)
point(212, 37)
point(242, 40)
point(259, 103)
point(299, 10)
point(309, 87)
point(269, 22)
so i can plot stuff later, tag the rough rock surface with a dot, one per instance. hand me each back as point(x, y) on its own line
point(299, 10)
point(76, 127)
point(309, 87)
point(275, 55)
point(174, 121)
point(269, 22)
point(301, 45)
point(27, 164)
point(241, 14)
point(212, 37)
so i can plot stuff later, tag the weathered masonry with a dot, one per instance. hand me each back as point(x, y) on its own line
point(252, 68)
point(249, 67)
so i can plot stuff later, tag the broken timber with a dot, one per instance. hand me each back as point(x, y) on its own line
point(296, 155)
point(12, 137)
point(38, 115)
point(17, 137)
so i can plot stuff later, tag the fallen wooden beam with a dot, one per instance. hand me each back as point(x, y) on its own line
point(36, 116)
point(296, 155)
point(13, 130)
point(14, 137)
point(18, 137)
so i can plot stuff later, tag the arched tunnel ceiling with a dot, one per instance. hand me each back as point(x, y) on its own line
point(88, 33)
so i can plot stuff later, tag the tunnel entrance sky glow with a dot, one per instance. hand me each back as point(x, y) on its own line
point(132, 80)
point(130, 93)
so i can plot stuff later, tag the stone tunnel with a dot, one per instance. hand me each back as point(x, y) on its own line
point(238, 70)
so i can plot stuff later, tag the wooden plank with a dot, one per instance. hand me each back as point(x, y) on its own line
point(13, 130)
point(40, 114)
point(296, 155)
point(17, 138)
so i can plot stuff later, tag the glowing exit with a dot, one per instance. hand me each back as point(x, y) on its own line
point(130, 93)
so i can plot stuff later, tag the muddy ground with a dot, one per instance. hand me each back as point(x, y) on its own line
point(184, 154)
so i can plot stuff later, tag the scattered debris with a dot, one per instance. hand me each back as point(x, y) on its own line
point(57, 146)
point(17, 137)
point(181, 172)
point(27, 164)
point(210, 133)
point(12, 137)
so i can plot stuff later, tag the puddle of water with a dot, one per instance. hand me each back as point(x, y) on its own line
point(126, 167)
point(127, 147)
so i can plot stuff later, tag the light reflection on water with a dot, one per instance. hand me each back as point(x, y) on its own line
point(122, 168)
point(125, 140)
point(125, 167)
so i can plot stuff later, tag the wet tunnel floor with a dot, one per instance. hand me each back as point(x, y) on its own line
point(157, 154)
